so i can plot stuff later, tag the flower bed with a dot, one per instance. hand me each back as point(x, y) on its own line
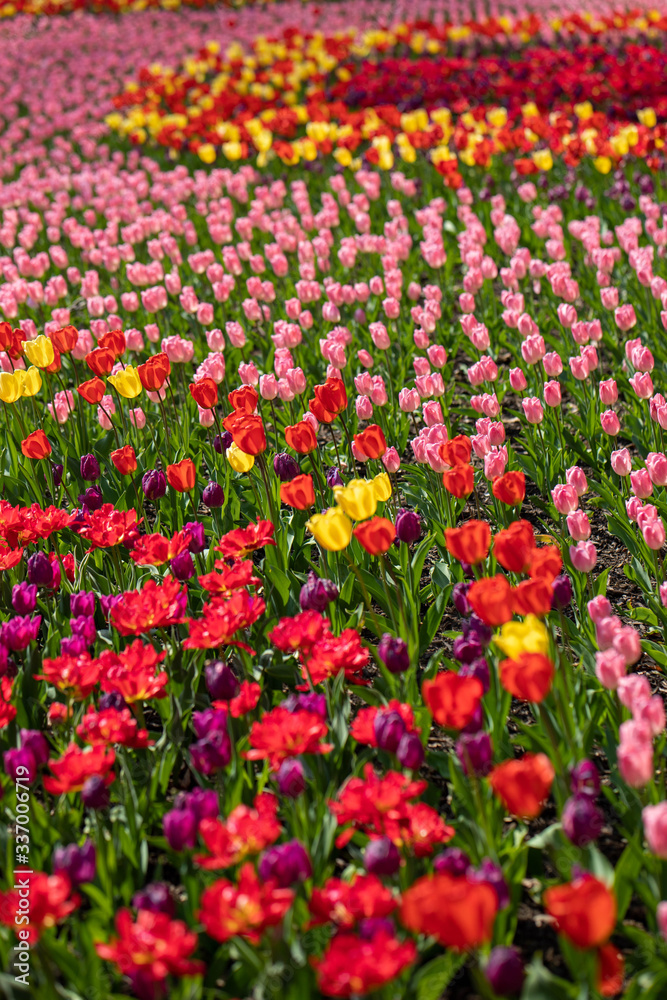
point(332, 643)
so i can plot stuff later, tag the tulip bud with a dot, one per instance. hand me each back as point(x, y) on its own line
point(504, 971)
point(582, 820)
point(154, 484)
point(213, 495)
point(475, 753)
point(408, 526)
point(95, 794)
point(562, 592)
point(388, 729)
point(382, 857)
point(452, 861)
point(221, 681)
point(393, 653)
point(90, 468)
point(24, 598)
point(78, 863)
point(285, 864)
point(182, 566)
point(285, 467)
point(40, 570)
point(410, 752)
point(291, 778)
point(585, 778)
point(155, 897)
point(317, 593)
point(180, 828)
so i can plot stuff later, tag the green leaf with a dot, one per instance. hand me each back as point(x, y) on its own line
point(433, 979)
point(541, 984)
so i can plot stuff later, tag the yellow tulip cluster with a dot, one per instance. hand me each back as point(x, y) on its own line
point(355, 502)
point(14, 385)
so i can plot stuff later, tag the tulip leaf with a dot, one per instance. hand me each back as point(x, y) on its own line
point(433, 979)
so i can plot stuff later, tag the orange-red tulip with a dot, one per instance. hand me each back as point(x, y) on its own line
point(154, 372)
point(301, 437)
point(244, 399)
point(470, 543)
point(510, 489)
point(513, 546)
point(492, 599)
point(376, 535)
point(205, 393)
point(451, 699)
point(459, 481)
point(125, 460)
point(64, 340)
point(450, 909)
point(528, 677)
point(100, 361)
point(247, 430)
point(299, 492)
point(113, 340)
point(523, 785)
point(584, 910)
point(332, 395)
point(182, 475)
point(36, 445)
point(371, 443)
point(92, 390)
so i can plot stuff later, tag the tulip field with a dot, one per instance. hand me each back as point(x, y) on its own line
point(333, 604)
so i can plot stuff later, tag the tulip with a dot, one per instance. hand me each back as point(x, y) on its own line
point(285, 467)
point(317, 593)
point(621, 462)
point(332, 530)
point(127, 382)
point(408, 527)
point(565, 498)
point(608, 391)
point(154, 484)
point(95, 794)
point(583, 556)
point(285, 864)
point(291, 778)
point(213, 495)
point(39, 352)
point(552, 394)
point(36, 446)
point(579, 526)
point(504, 971)
point(78, 863)
point(155, 897)
point(239, 461)
point(382, 857)
point(532, 409)
point(89, 468)
point(582, 820)
point(611, 425)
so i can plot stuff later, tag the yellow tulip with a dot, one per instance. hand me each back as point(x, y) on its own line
point(10, 386)
point(357, 499)
point(331, 530)
point(647, 117)
point(39, 352)
point(543, 159)
point(31, 382)
point(528, 636)
point(381, 486)
point(127, 382)
point(239, 461)
point(602, 164)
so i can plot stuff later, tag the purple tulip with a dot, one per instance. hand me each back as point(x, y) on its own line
point(40, 570)
point(582, 820)
point(285, 864)
point(504, 971)
point(317, 593)
point(154, 484)
point(388, 729)
point(155, 897)
point(393, 653)
point(89, 468)
point(82, 603)
point(180, 828)
point(410, 752)
point(291, 778)
point(408, 526)
point(221, 681)
point(78, 863)
point(475, 753)
point(452, 861)
point(24, 598)
point(182, 566)
point(95, 794)
point(213, 495)
point(382, 857)
point(285, 467)
point(492, 875)
point(197, 542)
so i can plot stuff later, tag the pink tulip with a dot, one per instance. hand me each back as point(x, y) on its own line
point(642, 385)
point(656, 464)
point(625, 317)
point(518, 380)
point(579, 367)
point(391, 460)
point(579, 526)
point(651, 713)
point(552, 393)
point(583, 556)
point(609, 668)
point(432, 413)
point(599, 608)
point(654, 818)
point(621, 462)
point(653, 533)
point(553, 364)
point(610, 423)
point(608, 391)
point(565, 498)
point(633, 690)
point(532, 409)
point(577, 477)
point(640, 482)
